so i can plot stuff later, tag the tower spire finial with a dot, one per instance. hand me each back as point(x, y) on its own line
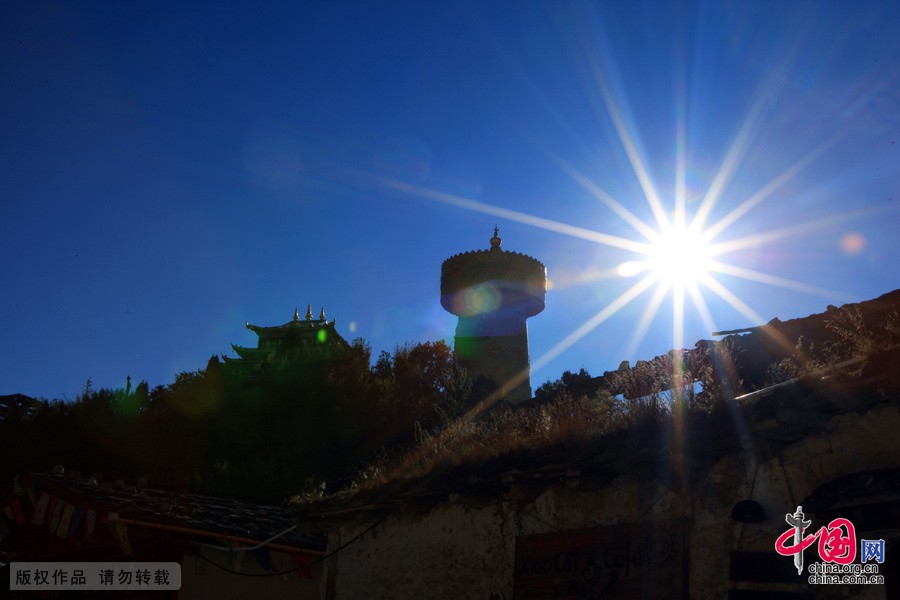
point(495, 241)
point(309, 312)
point(322, 314)
point(296, 314)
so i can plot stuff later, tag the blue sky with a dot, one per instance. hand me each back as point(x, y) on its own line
point(172, 170)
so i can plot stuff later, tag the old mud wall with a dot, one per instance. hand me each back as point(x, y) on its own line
point(462, 549)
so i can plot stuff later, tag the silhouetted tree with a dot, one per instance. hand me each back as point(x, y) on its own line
point(572, 384)
point(304, 417)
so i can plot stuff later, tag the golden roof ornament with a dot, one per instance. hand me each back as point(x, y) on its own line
point(495, 241)
point(322, 314)
point(309, 312)
point(296, 314)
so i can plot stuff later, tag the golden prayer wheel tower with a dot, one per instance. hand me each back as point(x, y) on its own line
point(494, 292)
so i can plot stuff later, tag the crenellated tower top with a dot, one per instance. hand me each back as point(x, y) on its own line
point(494, 292)
point(520, 280)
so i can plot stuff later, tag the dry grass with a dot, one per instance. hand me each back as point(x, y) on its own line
point(564, 421)
point(649, 392)
point(694, 382)
point(852, 336)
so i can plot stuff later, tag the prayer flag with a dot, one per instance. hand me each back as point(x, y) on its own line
point(57, 514)
point(17, 511)
point(89, 525)
point(76, 521)
point(40, 511)
point(66, 520)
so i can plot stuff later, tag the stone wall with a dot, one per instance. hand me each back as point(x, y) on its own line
point(463, 549)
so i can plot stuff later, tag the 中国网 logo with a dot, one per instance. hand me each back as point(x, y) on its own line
point(837, 551)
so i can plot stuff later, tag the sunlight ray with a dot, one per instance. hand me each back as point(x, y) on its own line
point(566, 280)
point(766, 191)
point(680, 168)
point(722, 369)
point(678, 343)
point(772, 84)
point(634, 158)
point(726, 169)
point(761, 277)
point(701, 306)
point(517, 216)
point(542, 98)
point(649, 314)
point(585, 328)
point(678, 315)
point(779, 338)
point(726, 295)
point(758, 239)
point(740, 306)
point(610, 202)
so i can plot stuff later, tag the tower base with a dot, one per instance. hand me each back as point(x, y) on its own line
point(502, 361)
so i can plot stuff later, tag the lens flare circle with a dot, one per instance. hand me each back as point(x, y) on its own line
point(477, 300)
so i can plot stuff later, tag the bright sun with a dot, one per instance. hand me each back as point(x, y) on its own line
point(680, 256)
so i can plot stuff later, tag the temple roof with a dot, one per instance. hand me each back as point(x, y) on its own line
point(248, 353)
point(295, 325)
point(296, 333)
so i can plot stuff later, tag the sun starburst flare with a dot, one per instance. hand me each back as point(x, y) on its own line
point(676, 255)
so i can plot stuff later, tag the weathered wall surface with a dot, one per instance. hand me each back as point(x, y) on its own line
point(848, 444)
point(200, 580)
point(460, 551)
point(451, 552)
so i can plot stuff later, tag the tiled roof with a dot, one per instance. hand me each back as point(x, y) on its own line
point(192, 513)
